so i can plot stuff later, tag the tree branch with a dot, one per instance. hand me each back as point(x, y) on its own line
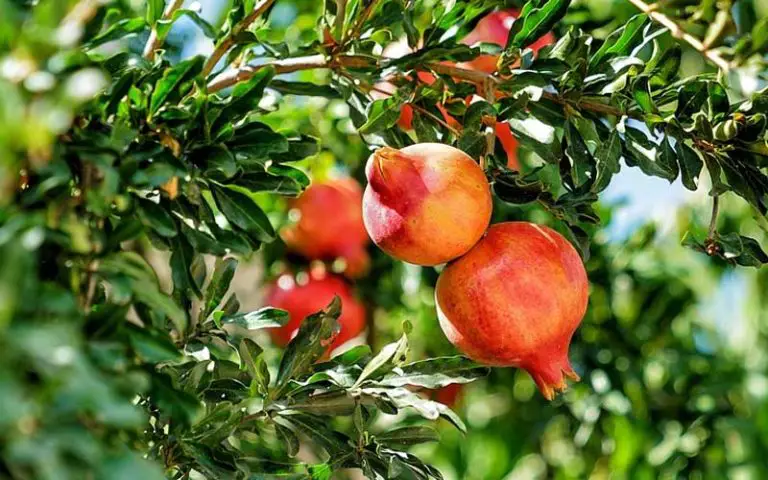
point(680, 34)
point(227, 43)
point(154, 41)
point(287, 65)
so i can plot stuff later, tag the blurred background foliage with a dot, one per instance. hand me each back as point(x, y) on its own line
point(672, 353)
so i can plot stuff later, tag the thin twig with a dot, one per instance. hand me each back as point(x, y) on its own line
point(713, 220)
point(474, 76)
point(680, 34)
point(287, 65)
point(223, 47)
point(155, 41)
point(357, 28)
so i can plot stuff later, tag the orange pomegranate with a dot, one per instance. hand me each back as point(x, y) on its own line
point(425, 204)
point(515, 300)
point(302, 300)
point(330, 225)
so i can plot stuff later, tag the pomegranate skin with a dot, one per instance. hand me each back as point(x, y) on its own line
point(494, 28)
point(300, 301)
point(425, 204)
point(515, 300)
point(331, 225)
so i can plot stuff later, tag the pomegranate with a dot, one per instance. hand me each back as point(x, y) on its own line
point(515, 300)
point(494, 28)
point(330, 225)
point(302, 300)
point(425, 204)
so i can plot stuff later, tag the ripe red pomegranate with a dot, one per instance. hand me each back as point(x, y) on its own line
point(425, 204)
point(302, 300)
point(515, 300)
point(330, 225)
point(494, 28)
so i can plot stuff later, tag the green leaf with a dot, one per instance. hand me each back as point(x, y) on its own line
point(289, 438)
point(752, 254)
point(473, 143)
point(181, 264)
point(174, 82)
point(154, 10)
point(382, 114)
point(245, 97)
point(643, 153)
point(434, 373)
point(154, 216)
point(266, 317)
point(119, 29)
point(218, 161)
point(620, 42)
point(641, 90)
point(223, 273)
point(335, 403)
point(404, 398)
point(607, 156)
point(667, 158)
point(690, 165)
point(535, 21)
point(153, 346)
point(309, 344)
point(388, 358)
point(409, 436)
point(304, 88)
point(241, 210)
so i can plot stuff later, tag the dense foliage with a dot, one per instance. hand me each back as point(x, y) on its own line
point(114, 146)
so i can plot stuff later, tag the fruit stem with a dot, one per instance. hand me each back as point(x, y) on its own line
point(713, 220)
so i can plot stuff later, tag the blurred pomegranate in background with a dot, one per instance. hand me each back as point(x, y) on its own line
point(494, 28)
point(448, 395)
point(330, 225)
point(303, 299)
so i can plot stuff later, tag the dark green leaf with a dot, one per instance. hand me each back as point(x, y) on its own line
point(173, 82)
point(535, 21)
point(620, 42)
point(223, 273)
point(154, 216)
point(690, 165)
point(382, 114)
point(409, 436)
point(241, 210)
